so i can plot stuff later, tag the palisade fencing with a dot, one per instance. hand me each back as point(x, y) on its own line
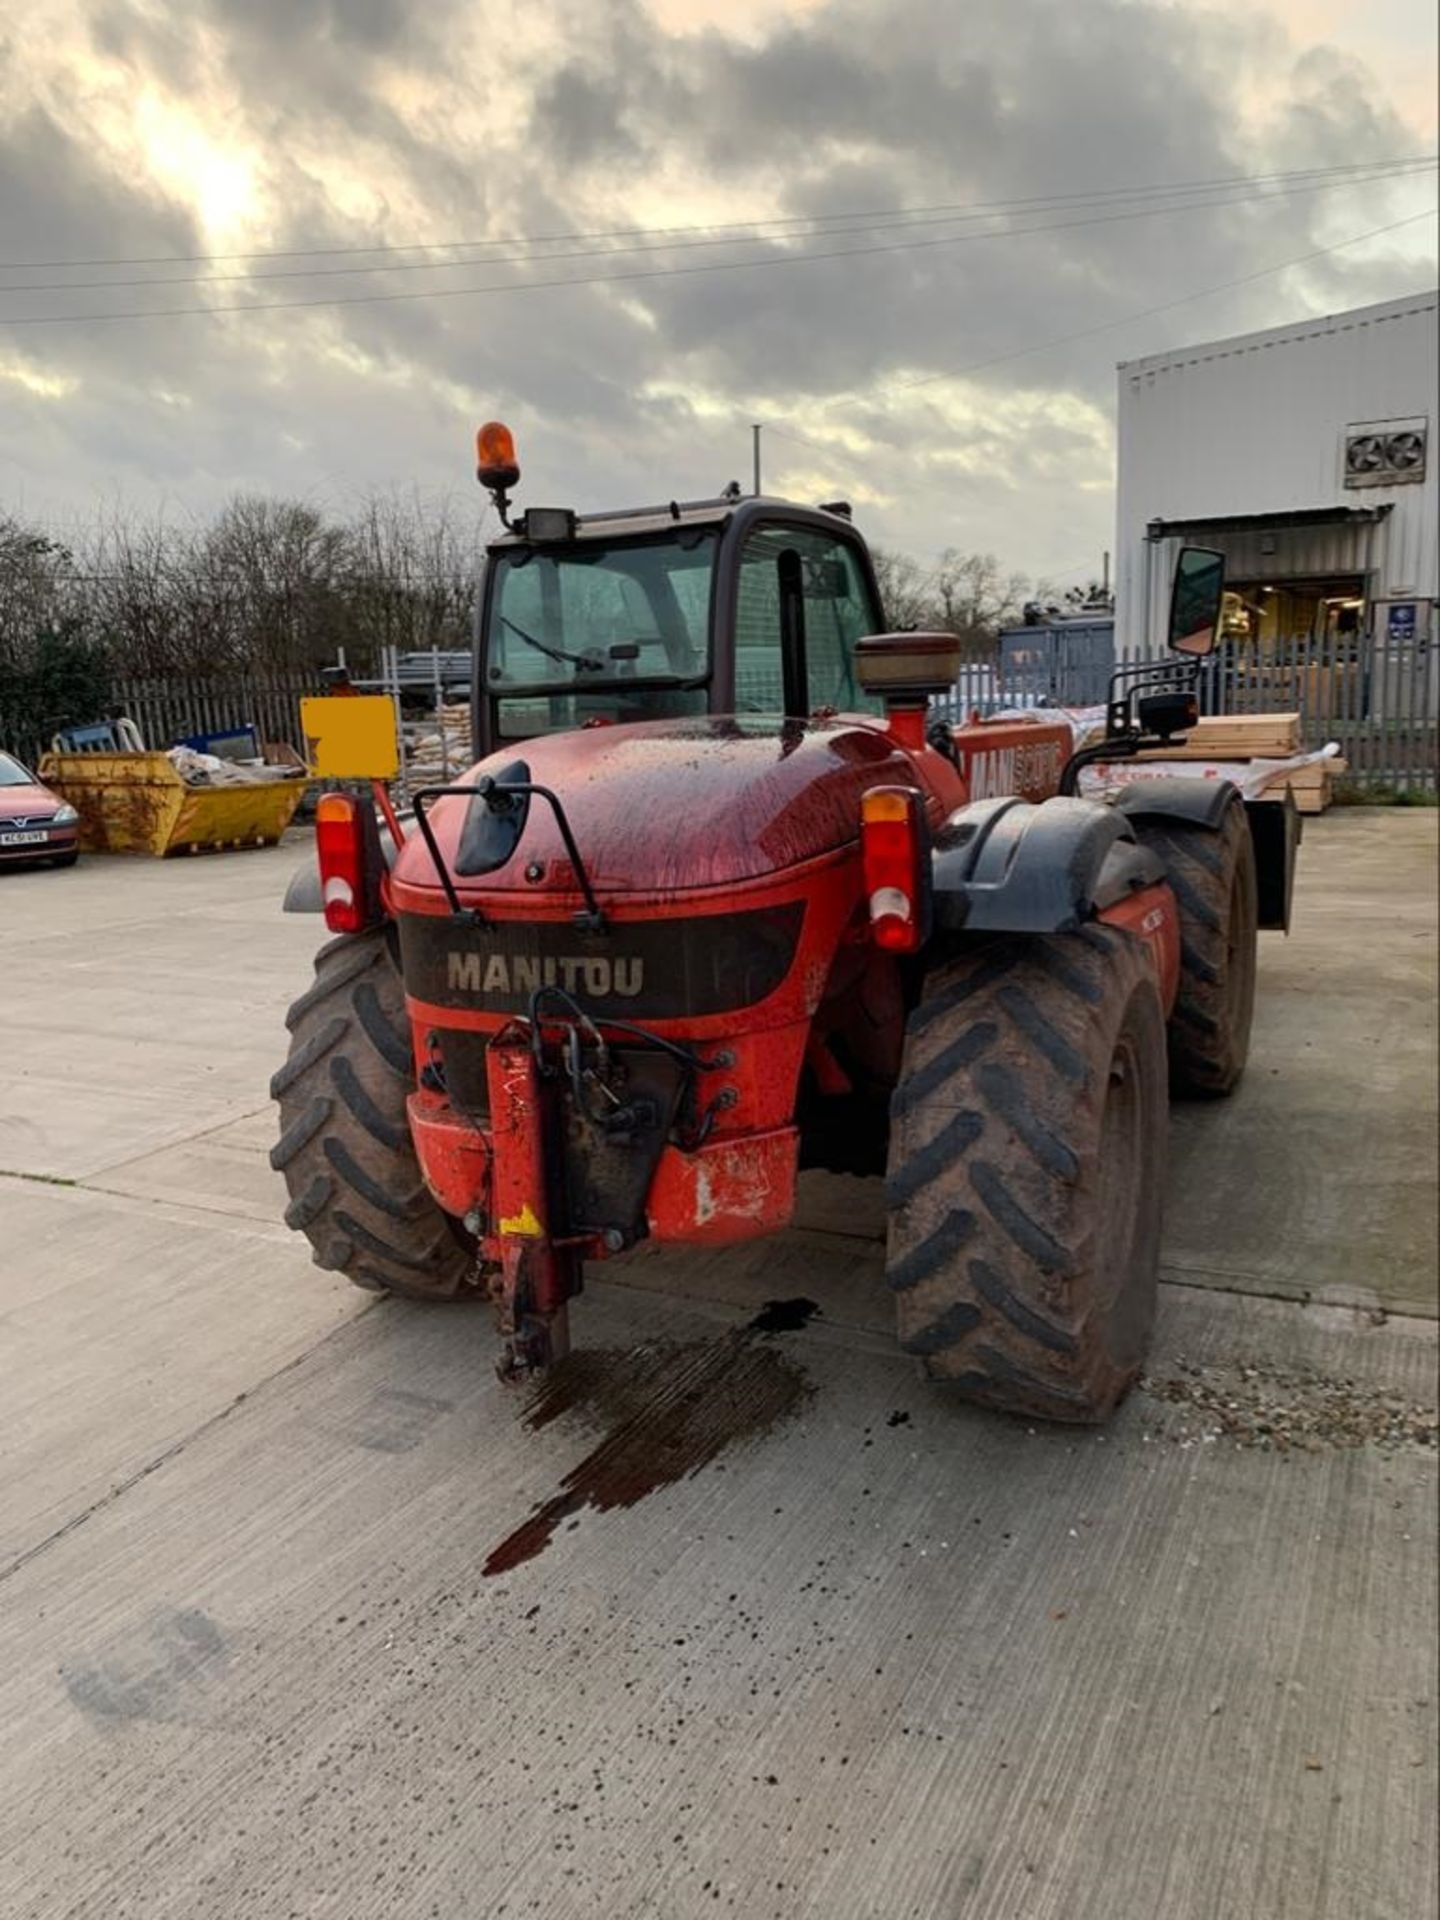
point(177, 707)
point(1378, 701)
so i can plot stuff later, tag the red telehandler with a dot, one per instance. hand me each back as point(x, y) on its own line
point(721, 901)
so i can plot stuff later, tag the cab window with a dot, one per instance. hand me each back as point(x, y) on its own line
point(611, 631)
point(837, 610)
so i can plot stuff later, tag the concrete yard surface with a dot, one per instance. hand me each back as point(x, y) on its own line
point(1318, 1180)
point(303, 1614)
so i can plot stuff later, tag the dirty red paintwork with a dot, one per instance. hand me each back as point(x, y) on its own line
point(664, 812)
point(677, 806)
point(454, 1154)
point(1150, 914)
point(675, 819)
point(1023, 757)
point(728, 1190)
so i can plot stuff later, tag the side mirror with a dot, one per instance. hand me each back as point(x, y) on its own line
point(1196, 599)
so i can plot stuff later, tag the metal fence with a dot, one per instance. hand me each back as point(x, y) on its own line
point(175, 708)
point(1379, 701)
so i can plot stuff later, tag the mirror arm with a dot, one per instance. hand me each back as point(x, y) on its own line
point(1145, 676)
point(1112, 747)
point(1123, 738)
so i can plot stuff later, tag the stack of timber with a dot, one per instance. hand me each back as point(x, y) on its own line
point(1241, 737)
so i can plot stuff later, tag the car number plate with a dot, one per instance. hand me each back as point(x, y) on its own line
point(23, 839)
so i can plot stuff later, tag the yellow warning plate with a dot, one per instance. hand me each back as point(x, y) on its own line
point(350, 736)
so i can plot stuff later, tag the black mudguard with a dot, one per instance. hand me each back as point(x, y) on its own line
point(1274, 831)
point(1199, 803)
point(1275, 828)
point(1008, 866)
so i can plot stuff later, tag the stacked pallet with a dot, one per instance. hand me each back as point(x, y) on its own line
point(1239, 738)
point(1310, 786)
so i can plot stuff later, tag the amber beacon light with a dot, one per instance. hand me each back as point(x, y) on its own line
point(495, 464)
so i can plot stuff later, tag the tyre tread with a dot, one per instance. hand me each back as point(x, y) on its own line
point(993, 1223)
point(345, 1150)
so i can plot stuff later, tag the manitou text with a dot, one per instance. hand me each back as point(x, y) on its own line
point(595, 974)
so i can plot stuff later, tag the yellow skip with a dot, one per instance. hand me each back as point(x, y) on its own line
point(524, 1223)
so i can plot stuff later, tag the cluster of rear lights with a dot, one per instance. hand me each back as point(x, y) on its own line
point(895, 852)
point(347, 844)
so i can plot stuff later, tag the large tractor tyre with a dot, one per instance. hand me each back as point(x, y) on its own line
point(1027, 1160)
point(1212, 876)
point(345, 1150)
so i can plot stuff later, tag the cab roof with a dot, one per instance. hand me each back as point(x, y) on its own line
point(636, 522)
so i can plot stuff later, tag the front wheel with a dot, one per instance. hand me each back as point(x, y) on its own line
point(1027, 1162)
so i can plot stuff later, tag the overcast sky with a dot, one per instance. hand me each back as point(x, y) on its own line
point(134, 130)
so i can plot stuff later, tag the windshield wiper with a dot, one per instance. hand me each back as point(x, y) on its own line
point(587, 662)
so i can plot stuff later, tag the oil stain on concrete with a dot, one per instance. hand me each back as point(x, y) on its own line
point(157, 1670)
point(665, 1410)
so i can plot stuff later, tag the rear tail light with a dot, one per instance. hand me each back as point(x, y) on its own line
point(347, 842)
point(895, 849)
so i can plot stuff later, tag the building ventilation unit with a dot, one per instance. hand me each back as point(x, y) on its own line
point(1386, 453)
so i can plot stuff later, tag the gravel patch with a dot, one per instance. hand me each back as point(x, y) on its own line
point(1285, 1410)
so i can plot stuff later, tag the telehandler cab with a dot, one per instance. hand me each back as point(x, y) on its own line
point(719, 902)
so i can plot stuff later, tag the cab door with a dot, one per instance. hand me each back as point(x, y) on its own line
point(803, 597)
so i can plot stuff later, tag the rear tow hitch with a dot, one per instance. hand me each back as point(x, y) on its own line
point(578, 1126)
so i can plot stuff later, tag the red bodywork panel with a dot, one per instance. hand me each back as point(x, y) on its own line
point(1024, 757)
point(1151, 916)
point(454, 1153)
point(728, 1190)
point(671, 808)
point(677, 821)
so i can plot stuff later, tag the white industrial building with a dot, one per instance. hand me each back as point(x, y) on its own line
point(1306, 454)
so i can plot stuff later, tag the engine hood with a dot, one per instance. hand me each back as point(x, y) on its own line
point(670, 805)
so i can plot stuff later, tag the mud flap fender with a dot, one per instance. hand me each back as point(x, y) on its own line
point(1274, 830)
point(1010, 866)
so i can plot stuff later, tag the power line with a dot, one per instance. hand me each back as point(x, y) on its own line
point(631, 275)
point(870, 224)
point(1164, 306)
point(1360, 170)
point(1141, 313)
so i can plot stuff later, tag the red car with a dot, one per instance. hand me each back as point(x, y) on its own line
point(35, 824)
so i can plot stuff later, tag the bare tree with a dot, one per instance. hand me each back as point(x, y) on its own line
point(965, 593)
point(905, 590)
point(977, 599)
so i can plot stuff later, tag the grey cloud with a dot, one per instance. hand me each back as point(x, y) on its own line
point(577, 121)
point(856, 105)
point(57, 203)
point(369, 26)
